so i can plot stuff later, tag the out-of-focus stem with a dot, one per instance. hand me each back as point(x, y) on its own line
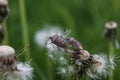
point(68, 77)
point(50, 72)
point(5, 41)
point(24, 26)
point(111, 52)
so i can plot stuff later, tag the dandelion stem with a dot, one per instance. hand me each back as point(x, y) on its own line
point(6, 33)
point(50, 72)
point(77, 78)
point(68, 77)
point(111, 52)
point(24, 26)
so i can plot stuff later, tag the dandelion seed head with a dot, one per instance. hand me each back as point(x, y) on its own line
point(6, 51)
point(100, 64)
point(42, 36)
point(103, 65)
point(24, 72)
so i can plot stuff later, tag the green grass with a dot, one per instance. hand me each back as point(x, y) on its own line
point(85, 19)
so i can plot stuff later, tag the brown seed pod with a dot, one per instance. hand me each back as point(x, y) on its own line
point(84, 55)
point(3, 9)
point(3, 2)
point(110, 32)
point(7, 58)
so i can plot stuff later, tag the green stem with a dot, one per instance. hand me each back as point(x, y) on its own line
point(5, 41)
point(77, 78)
point(24, 26)
point(50, 72)
point(111, 52)
point(68, 77)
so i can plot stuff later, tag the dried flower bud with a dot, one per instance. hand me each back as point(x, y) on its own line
point(110, 30)
point(3, 9)
point(59, 41)
point(1, 34)
point(76, 44)
point(7, 58)
point(84, 55)
point(3, 2)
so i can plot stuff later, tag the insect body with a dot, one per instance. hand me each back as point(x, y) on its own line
point(58, 40)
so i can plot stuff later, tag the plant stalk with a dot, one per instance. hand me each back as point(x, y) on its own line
point(50, 72)
point(24, 27)
point(6, 40)
point(111, 52)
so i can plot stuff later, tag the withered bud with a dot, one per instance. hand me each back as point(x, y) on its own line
point(1, 34)
point(3, 2)
point(3, 9)
point(76, 44)
point(110, 30)
point(6, 51)
point(84, 55)
point(58, 40)
point(7, 58)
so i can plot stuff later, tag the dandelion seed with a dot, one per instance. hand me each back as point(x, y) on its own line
point(103, 65)
point(112, 62)
point(92, 75)
point(78, 62)
point(100, 64)
point(117, 45)
point(24, 72)
point(71, 69)
point(51, 47)
point(63, 61)
point(62, 71)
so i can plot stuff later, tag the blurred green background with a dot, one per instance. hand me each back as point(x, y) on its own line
point(85, 19)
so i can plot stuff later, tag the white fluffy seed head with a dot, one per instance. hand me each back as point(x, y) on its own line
point(24, 72)
point(100, 64)
point(6, 51)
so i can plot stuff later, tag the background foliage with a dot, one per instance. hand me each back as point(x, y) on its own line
point(85, 18)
